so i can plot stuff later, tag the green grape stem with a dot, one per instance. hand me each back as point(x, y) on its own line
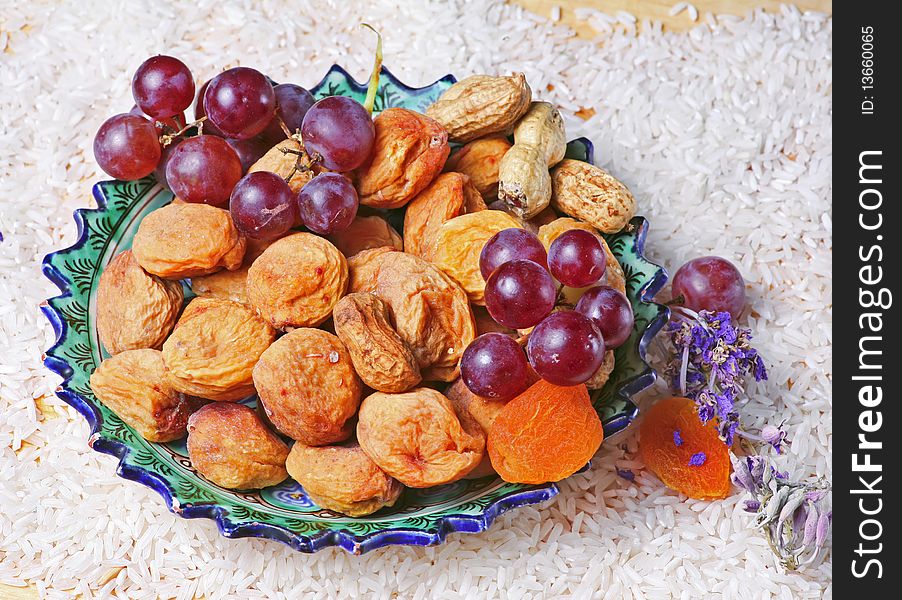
point(370, 100)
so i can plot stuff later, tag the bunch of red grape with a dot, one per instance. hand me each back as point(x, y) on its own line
point(239, 115)
point(567, 346)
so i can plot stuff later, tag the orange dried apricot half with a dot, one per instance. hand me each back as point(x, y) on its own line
point(685, 454)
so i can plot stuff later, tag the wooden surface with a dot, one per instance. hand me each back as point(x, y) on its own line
point(659, 10)
point(651, 9)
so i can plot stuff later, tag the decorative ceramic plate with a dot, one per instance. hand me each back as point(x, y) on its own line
point(284, 512)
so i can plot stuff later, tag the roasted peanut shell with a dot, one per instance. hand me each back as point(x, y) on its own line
point(383, 361)
point(600, 377)
point(410, 149)
point(229, 445)
point(297, 281)
point(132, 385)
point(185, 240)
point(214, 347)
point(342, 478)
point(592, 194)
point(308, 387)
point(135, 309)
point(432, 314)
point(365, 233)
point(450, 195)
point(458, 244)
point(543, 127)
point(417, 438)
point(523, 180)
point(480, 160)
point(480, 105)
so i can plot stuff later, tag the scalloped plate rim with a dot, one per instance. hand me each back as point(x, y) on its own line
point(353, 543)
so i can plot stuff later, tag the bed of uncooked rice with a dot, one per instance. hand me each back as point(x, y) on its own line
point(723, 134)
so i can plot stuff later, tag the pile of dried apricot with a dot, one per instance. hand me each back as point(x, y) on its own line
point(371, 368)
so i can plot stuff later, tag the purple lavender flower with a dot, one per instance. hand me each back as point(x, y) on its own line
point(711, 360)
point(677, 438)
point(697, 459)
point(792, 515)
point(774, 436)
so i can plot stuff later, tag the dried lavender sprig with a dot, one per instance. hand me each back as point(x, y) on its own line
point(711, 359)
point(793, 516)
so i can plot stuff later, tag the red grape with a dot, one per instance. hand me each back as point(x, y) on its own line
point(566, 348)
point(127, 147)
point(163, 86)
point(341, 131)
point(160, 171)
point(710, 283)
point(292, 103)
point(611, 311)
point(200, 112)
point(328, 203)
point(240, 102)
point(511, 244)
point(262, 205)
point(577, 258)
point(494, 366)
point(249, 151)
point(203, 169)
point(519, 294)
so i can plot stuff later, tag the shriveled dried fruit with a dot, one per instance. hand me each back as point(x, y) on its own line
point(383, 361)
point(523, 180)
point(458, 244)
point(480, 105)
point(282, 159)
point(687, 455)
point(480, 409)
point(600, 377)
point(613, 271)
point(365, 233)
point(417, 438)
point(230, 285)
point(214, 348)
point(133, 386)
point(229, 445)
point(480, 160)
point(432, 314)
point(297, 281)
point(135, 309)
point(185, 240)
point(342, 478)
point(543, 127)
point(409, 151)
point(486, 324)
point(592, 194)
point(450, 195)
point(308, 387)
point(545, 434)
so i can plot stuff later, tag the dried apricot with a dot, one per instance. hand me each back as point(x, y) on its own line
point(364, 233)
point(134, 308)
point(410, 149)
point(214, 347)
point(545, 434)
point(229, 445)
point(230, 285)
point(183, 240)
point(686, 454)
point(479, 160)
point(297, 281)
point(458, 243)
point(417, 438)
point(308, 387)
point(342, 478)
point(450, 195)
